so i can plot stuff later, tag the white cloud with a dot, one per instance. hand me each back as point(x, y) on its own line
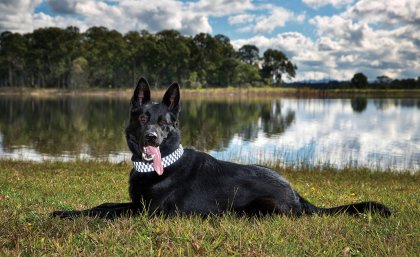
point(277, 18)
point(40, 20)
point(374, 38)
point(347, 45)
point(318, 3)
point(124, 16)
point(155, 16)
point(221, 7)
point(393, 12)
point(301, 17)
point(339, 28)
point(312, 64)
point(166, 14)
point(62, 6)
point(194, 24)
point(241, 18)
point(290, 42)
point(16, 15)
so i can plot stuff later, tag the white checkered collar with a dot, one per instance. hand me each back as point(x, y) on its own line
point(166, 161)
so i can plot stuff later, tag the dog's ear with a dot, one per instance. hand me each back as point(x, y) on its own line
point(141, 94)
point(172, 97)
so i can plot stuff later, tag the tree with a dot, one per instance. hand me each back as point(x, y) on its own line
point(133, 41)
point(208, 57)
point(47, 60)
point(197, 65)
point(107, 55)
point(246, 75)
point(359, 80)
point(149, 58)
point(275, 65)
point(175, 55)
point(13, 48)
point(384, 79)
point(71, 43)
point(55, 57)
point(227, 71)
point(224, 45)
point(249, 54)
point(79, 74)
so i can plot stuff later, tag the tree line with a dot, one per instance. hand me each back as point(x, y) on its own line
point(99, 57)
point(360, 81)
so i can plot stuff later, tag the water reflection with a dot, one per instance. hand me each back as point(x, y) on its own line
point(383, 133)
point(211, 125)
point(332, 132)
point(66, 126)
point(358, 104)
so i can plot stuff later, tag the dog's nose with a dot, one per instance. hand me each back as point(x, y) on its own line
point(151, 137)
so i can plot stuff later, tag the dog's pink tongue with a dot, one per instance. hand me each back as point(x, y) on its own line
point(157, 161)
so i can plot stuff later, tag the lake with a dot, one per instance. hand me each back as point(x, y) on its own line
point(376, 133)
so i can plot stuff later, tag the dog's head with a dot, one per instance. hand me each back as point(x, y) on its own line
point(154, 125)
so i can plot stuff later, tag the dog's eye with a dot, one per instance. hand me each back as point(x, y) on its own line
point(143, 118)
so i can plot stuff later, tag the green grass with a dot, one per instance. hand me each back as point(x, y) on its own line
point(29, 191)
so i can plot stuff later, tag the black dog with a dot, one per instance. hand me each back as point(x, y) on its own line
point(167, 179)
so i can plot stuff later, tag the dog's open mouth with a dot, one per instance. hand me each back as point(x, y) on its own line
point(147, 153)
point(153, 153)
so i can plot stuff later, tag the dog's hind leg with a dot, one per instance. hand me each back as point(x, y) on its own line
point(105, 211)
point(271, 205)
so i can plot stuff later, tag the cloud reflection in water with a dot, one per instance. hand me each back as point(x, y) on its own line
point(329, 131)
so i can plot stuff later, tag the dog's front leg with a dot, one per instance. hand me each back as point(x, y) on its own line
point(104, 211)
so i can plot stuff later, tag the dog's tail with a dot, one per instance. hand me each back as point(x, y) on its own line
point(351, 209)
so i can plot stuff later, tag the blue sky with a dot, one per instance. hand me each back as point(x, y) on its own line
point(327, 39)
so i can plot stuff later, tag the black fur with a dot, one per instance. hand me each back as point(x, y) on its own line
point(198, 183)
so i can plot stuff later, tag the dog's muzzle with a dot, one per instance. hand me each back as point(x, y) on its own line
point(151, 138)
point(150, 146)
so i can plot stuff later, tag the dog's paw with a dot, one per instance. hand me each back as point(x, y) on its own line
point(65, 214)
point(383, 210)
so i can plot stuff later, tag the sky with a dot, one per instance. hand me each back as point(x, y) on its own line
point(326, 39)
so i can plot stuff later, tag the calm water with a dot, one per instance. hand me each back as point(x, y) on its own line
point(379, 133)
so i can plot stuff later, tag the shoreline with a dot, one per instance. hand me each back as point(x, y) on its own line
point(229, 92)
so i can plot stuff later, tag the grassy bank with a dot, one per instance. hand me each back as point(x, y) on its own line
point(219, 92)
point(29, 191)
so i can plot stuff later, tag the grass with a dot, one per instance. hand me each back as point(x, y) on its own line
point(29, 191)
